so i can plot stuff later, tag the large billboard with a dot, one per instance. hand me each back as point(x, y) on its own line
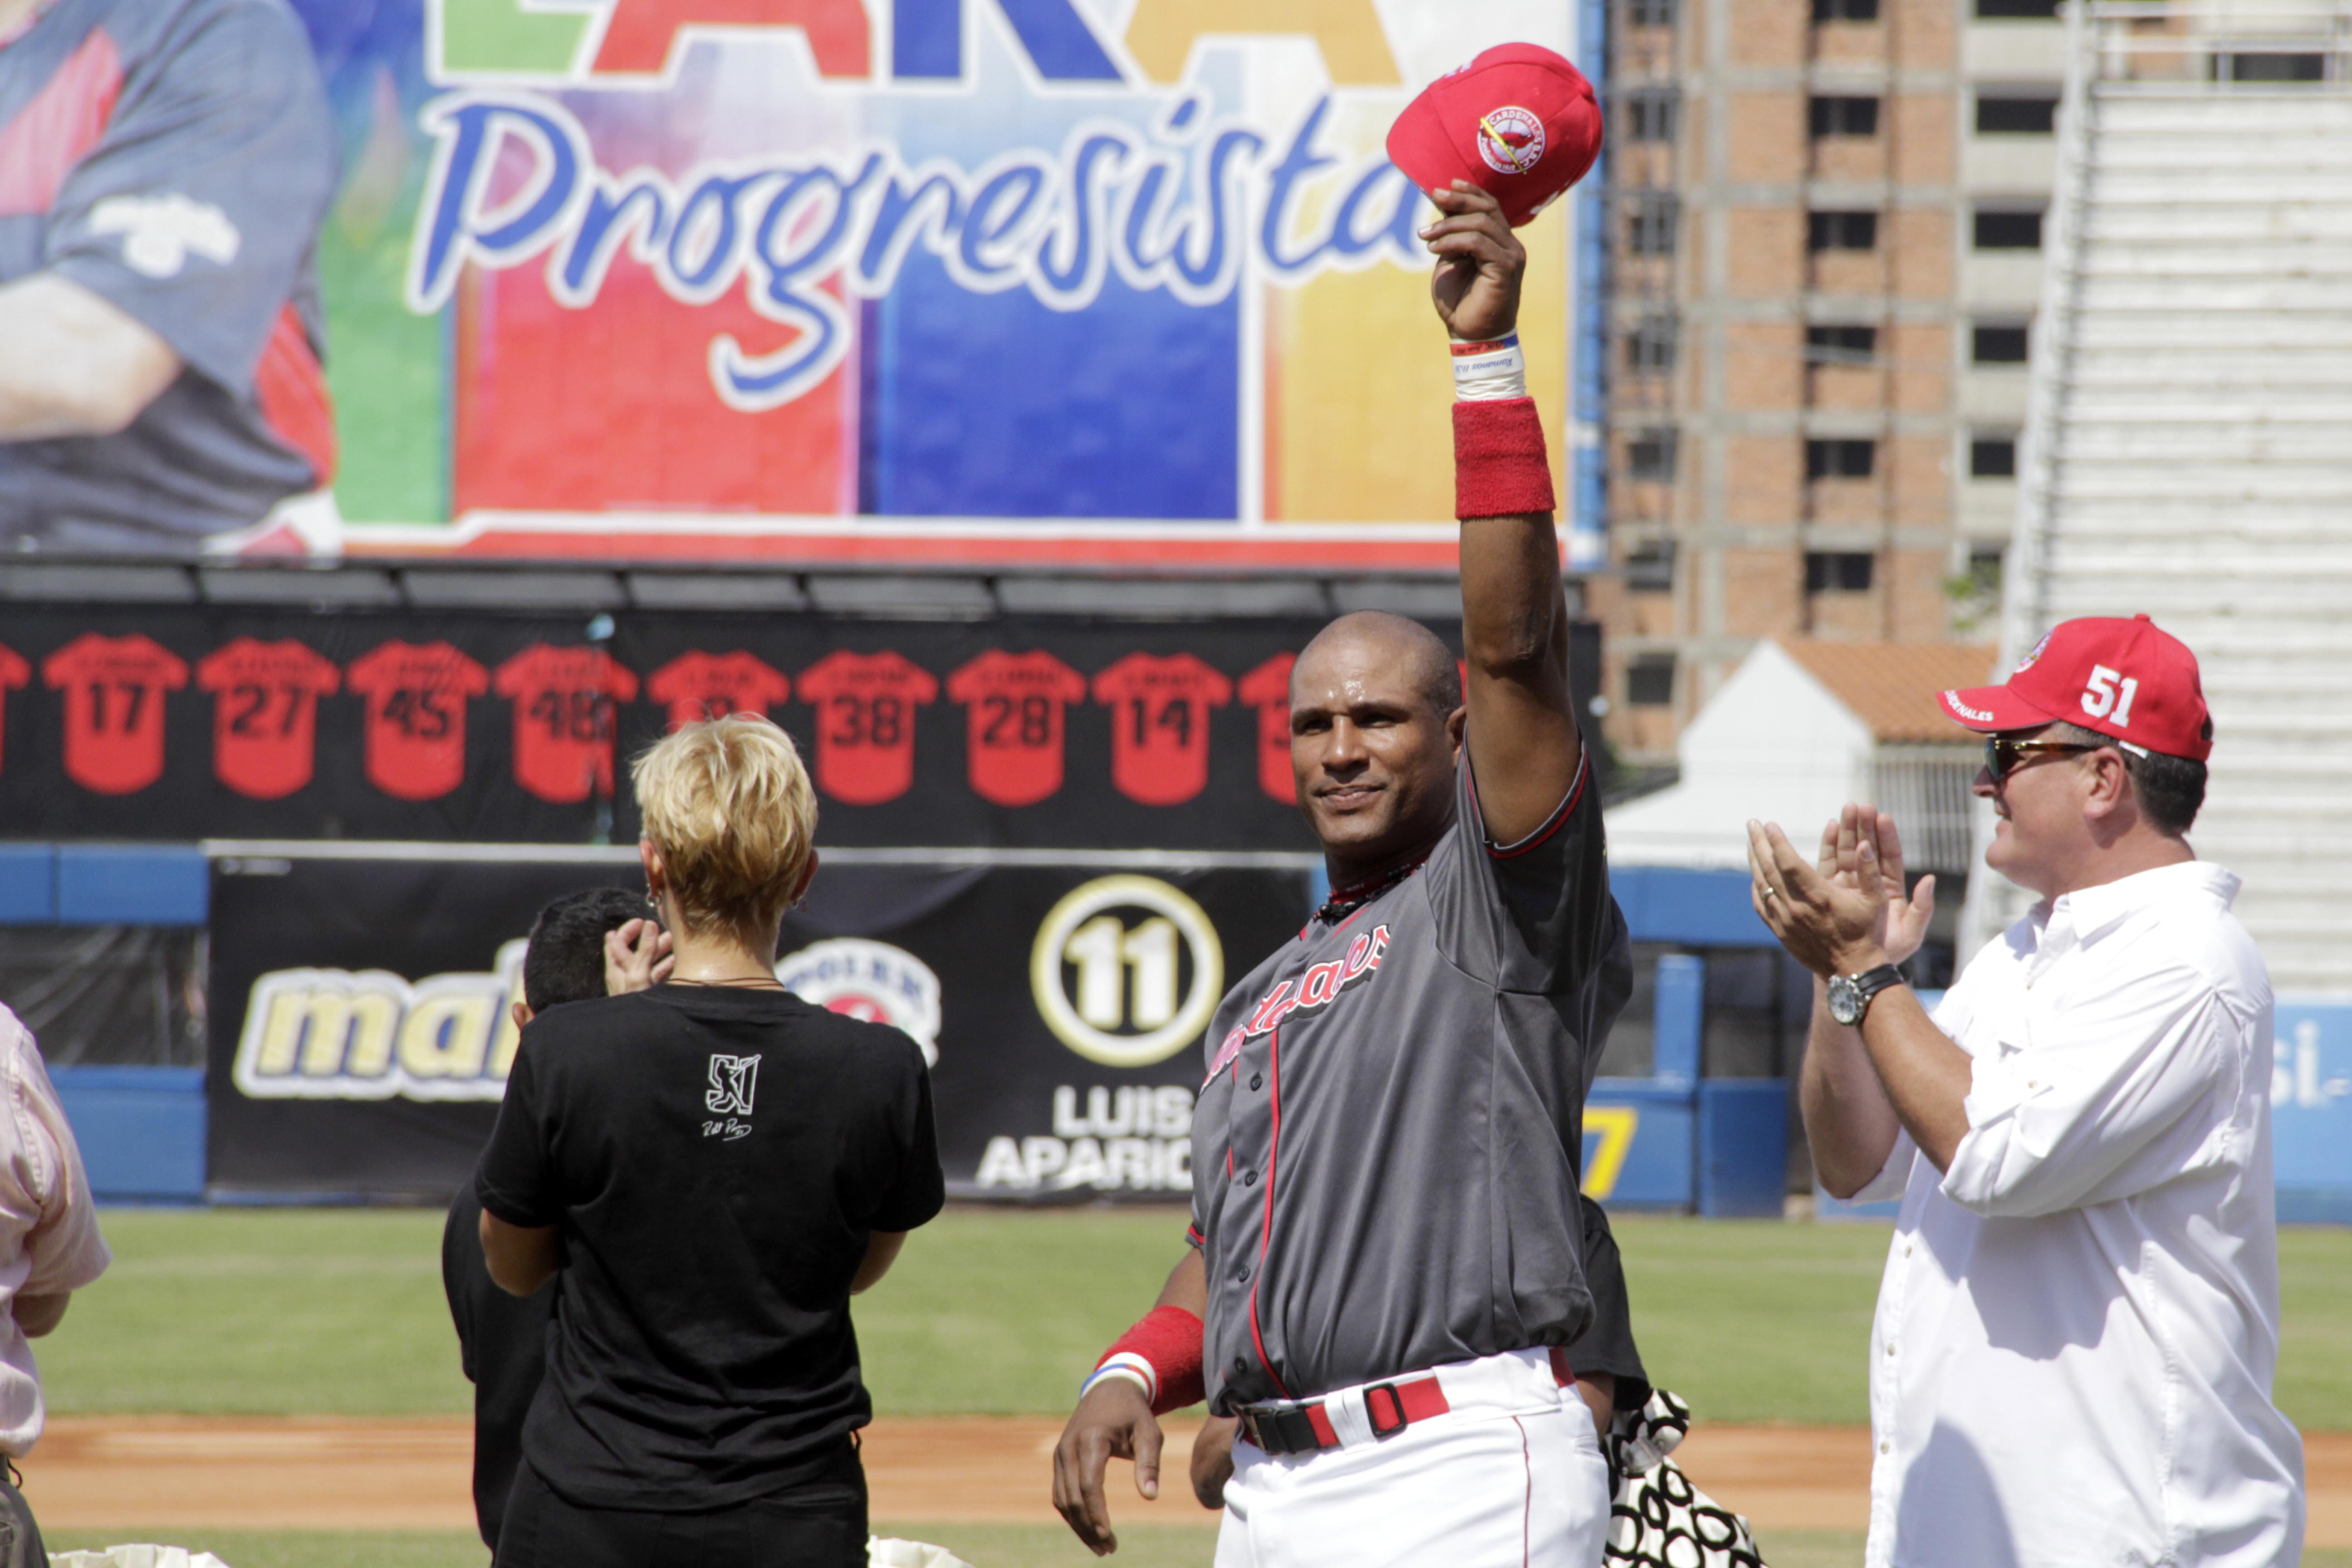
point(1118, 282)
point(362, 1035)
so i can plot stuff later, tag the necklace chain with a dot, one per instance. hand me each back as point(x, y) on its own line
point(1346, 901)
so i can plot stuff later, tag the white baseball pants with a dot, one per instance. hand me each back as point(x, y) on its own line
point(1511, 1477)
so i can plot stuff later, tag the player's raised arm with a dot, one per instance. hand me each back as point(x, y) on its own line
point(1523, 739)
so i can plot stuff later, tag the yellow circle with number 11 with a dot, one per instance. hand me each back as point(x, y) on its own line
point(1127, 971)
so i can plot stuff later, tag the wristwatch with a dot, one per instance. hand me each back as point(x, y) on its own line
point(1850, 995)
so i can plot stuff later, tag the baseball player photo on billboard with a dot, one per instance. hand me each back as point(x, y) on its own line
point(164, 172)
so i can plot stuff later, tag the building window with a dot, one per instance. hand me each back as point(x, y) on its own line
point(1840, 458)
point(1841, 346)
point(2017, 10)
point(1984, 569)
point(1845, 11)
point(1843, 117)
point(1650, 569)
point(1650, 14)
point(1841, 231)
point(1837, 571)
point(1651, 220)
point(1650, 454)
point(1651, 114)
point(1992, 458)
point(1650, 681)
point(1650, 346)
point(2029, 116)
point(2268, 68)
point(1998, 230)
point(1997, 343)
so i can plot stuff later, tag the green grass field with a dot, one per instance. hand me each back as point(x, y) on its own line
point(339, 1312)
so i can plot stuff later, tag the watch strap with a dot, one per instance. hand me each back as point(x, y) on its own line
point(1871, 982)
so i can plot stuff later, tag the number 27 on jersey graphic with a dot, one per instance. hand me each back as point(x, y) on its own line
point(733, 1081)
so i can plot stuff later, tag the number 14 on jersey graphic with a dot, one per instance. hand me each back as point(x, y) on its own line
point(733, 1081)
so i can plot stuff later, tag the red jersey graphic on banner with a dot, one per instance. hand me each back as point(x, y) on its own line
point(866, 723)
point(1267, 690)
point(114, 709)
point(416, 696)
point(1160, 724)
point(563, 701)
point(14, 673)
point(266, 713)
point(1014, 728)
point(699, 686)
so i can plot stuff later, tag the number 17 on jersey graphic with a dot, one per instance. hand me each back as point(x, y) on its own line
point(733, 1081)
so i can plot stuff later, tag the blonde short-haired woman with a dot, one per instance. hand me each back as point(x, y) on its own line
point(712, 1167)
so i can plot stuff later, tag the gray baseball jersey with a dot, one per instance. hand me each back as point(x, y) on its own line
point(174, 157)
point(1385, 1153)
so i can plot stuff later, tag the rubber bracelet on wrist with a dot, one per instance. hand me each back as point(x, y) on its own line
point(1133, 1369)
point(1501, 466)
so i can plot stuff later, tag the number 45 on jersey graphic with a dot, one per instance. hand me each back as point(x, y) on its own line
point(733, 1081)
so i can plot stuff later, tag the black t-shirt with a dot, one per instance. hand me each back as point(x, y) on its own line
point(502, 1344)
point(717, 1160)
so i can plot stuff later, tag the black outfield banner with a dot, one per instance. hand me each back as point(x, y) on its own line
point(185, 722)
point(361, 1035)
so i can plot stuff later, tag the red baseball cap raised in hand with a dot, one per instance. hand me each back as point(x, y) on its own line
point(2121, 678)
point(1518, 122)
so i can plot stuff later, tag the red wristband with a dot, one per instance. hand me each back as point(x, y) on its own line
point(1501, 467)
point(1170, 1338)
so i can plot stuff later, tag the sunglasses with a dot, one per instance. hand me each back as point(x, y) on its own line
point(2003, 757)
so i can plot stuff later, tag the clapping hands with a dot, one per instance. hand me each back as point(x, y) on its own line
point(1848, 911)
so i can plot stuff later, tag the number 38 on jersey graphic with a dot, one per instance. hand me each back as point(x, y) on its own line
point(1126, 971)
point(734, 1081)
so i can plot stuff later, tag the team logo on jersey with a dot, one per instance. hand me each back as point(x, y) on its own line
point(1311, 992)
point(869, 980)
point(160, 233)
point(1127, 971)
point(340, 1034)
point(1510, 139)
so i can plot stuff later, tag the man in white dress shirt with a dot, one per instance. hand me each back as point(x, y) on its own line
point(50, 1248)
point(2070, 1362)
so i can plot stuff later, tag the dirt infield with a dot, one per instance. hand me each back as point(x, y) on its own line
point(294, 1472)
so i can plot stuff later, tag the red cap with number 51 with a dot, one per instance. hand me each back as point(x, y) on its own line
point(2121, 678)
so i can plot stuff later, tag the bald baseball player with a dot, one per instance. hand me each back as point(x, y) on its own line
point(1386, 1259)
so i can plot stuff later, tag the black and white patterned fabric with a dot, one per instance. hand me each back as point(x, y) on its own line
point(1657, 1517)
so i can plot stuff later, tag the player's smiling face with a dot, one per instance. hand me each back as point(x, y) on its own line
point(1371, 751)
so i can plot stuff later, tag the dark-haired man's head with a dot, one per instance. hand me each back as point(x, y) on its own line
point(564, 961)
point(1375, 719)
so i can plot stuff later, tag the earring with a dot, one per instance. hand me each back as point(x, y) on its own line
point(652, 902)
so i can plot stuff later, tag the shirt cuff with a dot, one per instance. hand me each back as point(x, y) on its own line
point(504, 1208)
point(1998, 1085)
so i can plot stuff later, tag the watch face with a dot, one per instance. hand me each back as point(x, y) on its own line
point(1845, 999)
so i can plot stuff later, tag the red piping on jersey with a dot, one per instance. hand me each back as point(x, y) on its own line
point(1527, 1508)
point(59, 126)
point(291, 385)
point(1265, 1227)
point(1541, 835)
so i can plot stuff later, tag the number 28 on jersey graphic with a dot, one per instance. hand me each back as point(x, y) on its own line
point(1127, 971)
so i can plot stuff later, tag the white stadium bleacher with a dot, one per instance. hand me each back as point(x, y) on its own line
point(2188, 446)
